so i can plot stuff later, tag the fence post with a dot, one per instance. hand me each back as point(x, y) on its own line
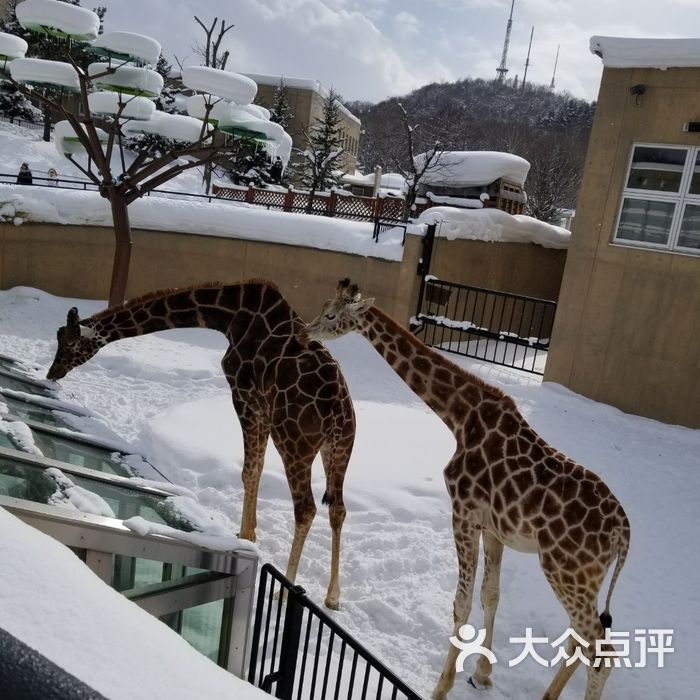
point(288, 199)
point(289, 651)
point(332, 201)
point(250, 194)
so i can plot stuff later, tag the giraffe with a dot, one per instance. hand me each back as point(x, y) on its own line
point(507, 486)
point(280, 388)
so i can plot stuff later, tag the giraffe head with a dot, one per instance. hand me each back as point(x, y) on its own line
point(76, 345)
point(339, 315)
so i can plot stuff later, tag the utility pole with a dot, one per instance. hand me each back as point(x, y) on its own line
point(556, 60)
point(527, 62)
point(502, 69)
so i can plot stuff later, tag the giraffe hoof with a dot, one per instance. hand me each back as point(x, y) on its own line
point(332, 604)
point(250, 536)
point(479, 685)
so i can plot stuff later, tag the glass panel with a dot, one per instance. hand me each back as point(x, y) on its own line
point(78, 453)
point(6, 442)
point(32, 411)
point(645, 221)
point(655, 168)
point(27, 481)
point(695, 180)
point(201, 627)
point(17, 384)
point(689, 236)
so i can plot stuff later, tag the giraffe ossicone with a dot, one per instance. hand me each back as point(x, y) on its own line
point(508, 487)
point(281, 388)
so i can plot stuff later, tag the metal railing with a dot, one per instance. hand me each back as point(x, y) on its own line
point(498, 327)
point(300, 653)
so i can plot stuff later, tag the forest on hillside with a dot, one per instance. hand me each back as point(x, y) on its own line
point(547, 128)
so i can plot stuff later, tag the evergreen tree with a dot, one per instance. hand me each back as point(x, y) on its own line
point(15, 105)
point(281, 112)
point(254, 166)
point(323, 148)
point(165, 102)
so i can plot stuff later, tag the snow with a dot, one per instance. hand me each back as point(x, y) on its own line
point(53, 603)
point(469, 203)
point(12, 46)
point(66, 140)
point(222, 219)
point(78, 22)
point(165, 394)
point(108, 103)
point(473, 168)
point(127, 78)
point(71, 495)
point(231, 86)
point(42, 71)
point(137, 46)
point(177, 127)
point(389, 181)
point(492, 224)
point(21, 435)
point(619, 52)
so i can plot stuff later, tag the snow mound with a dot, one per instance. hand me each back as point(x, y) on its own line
point(473, 168)
point(494, 225)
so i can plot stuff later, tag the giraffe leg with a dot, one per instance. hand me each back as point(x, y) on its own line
point(254, 443)
point(299, 478)
point(467, 541)
point(335, 475)
point(581, 604)
point(563, 674)
point(493, 554)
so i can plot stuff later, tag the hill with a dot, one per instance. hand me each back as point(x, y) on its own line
point(547, 128)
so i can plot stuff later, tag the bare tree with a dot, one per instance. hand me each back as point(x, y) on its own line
point(414, 167)
point(210, 50)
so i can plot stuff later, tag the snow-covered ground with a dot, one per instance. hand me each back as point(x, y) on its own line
point(166, 396)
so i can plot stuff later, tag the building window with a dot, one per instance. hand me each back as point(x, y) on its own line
point(661, 201)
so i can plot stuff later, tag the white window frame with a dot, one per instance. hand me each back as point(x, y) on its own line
point(680, 199)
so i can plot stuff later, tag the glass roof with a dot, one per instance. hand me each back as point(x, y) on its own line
point(32, 411)
point(20, 382)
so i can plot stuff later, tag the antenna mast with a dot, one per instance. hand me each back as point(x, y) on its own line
point(556, 60)
point(527, 61)
point(502, 70)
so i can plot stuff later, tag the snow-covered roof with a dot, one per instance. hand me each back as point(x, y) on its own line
point(472, 168)
point(623, 52)
point(394, 181)
point(137, 46)
point(301, 84)
point(495, 225)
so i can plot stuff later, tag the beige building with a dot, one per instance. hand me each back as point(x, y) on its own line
point(627, 329)
point(306, 103)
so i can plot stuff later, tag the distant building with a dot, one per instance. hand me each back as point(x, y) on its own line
point(306, 103)
point(628, 319)
point(390, 184)
point(472, 179)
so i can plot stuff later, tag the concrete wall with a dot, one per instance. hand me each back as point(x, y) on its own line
point(76, 261)
point(628, 322)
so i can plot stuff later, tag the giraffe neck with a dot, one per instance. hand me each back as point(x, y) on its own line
point(440, 383)
point(219, 308)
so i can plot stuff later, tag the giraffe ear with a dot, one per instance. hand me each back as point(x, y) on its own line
point(86, 332)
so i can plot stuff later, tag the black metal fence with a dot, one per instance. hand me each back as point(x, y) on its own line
point(300, 653)
point(498, 327)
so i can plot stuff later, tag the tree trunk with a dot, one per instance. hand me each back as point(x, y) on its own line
point(122, 251)
point(47, 123)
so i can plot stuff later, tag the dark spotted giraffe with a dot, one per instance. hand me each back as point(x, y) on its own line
point(507, 485)
point(280, 388)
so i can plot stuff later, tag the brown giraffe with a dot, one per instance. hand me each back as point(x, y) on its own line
point(280, 388)
point(507, 485)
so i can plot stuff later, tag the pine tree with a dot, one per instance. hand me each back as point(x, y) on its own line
point(165, 102)
point(281, 112)
point(323, 148)
point(254, 166)
point(15, 105)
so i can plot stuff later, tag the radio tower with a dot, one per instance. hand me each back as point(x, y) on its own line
point(502, 70)
point(527, 62)
point(556, 60)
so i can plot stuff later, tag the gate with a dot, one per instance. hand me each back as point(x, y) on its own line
point(498, 327)
point(299, 652)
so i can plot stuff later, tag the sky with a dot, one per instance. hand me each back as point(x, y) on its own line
point(374, 49)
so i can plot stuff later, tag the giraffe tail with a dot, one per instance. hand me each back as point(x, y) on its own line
point(622, 545)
